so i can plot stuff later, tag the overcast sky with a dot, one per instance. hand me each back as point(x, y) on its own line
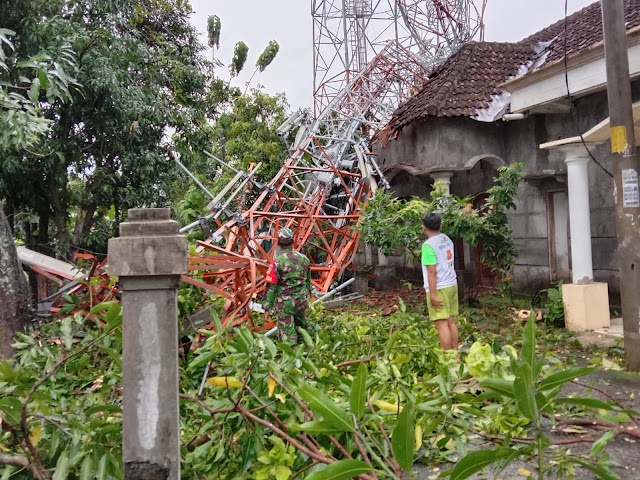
point(289, 23)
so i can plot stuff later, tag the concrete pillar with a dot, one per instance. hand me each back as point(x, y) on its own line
point(384, 274)
point(586, 304)
point(149, 257)
point(368, 255)
point(577, 160)
point(444, 177)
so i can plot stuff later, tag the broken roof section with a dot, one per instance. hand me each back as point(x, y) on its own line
point(470, 83)
point(467, 83)
point(584, 31)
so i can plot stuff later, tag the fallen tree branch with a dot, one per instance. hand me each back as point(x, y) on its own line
point(601, 425)
point(529, 440)
point(396, 466)
point(354, 362)
point(609, 396)
point(305, 408)
point(15, 460)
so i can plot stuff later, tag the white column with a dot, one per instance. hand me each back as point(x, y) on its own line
point(444, 177)
point(577, 160)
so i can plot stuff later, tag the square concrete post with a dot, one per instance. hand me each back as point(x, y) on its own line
point(149, 257)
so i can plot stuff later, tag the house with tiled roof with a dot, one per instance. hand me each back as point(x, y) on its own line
point(492, 104)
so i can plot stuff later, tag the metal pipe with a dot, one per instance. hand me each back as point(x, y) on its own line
point(204, 378)
point(383, 179)
point(193, 177)
point(225, 190)
point(221, 162)
point(334, 291)
point(238, 190)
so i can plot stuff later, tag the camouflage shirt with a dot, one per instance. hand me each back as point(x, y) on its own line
point(293, 271)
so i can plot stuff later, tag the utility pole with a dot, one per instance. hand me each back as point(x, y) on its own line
point(625, 168)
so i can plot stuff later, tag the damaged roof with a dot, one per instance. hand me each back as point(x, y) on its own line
point(469, 83)
point(584, 30)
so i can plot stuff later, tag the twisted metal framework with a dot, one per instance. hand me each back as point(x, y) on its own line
point(369, 56)
point(347, 33)
point(317, 193)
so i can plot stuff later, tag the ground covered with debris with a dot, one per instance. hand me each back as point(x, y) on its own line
point(369, 381)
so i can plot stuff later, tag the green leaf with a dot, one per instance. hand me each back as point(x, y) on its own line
point(340, 470)
point(102, 468)
point(601, 473)
point(306, 337)
point(67, 332)
point(358, 395)
point(523, 392)
point(598, 445)
point(593, 403)
point(103, 408)
point(403, 439)
point(500, 385)
point(529, 347)
point(12, 409)
point(86, 470)
point(62, 467)
point(201, 360)
point(324, 406)
point(566, 376)
point(317, 426)
point(476, 461)
point(270, 346)
point(283, 472)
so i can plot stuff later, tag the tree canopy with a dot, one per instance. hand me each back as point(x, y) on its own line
point(133, 88)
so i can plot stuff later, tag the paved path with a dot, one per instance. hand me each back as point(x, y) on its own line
point(623, 387)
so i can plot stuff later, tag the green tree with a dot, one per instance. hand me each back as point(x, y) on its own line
point(487, 225)
point(243, 134)
point(141, 75)
point(22, 128)
point(145, 93)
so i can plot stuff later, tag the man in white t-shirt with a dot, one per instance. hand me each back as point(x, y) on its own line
point(440, 281)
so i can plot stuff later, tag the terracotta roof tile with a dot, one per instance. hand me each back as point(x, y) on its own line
point(584, 30)
point(465, 82)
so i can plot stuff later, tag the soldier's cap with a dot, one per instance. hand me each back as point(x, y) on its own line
point(285, 236)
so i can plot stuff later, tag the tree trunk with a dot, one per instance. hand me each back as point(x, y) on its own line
point(84, 222)
point(14, 308)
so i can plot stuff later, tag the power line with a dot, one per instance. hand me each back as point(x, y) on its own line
point(571, 109)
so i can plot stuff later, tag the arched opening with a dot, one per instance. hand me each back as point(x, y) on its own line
point(405, 185)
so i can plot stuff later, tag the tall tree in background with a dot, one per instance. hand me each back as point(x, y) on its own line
point(141, 76)
point(146, 93)
point(98, 97)
point(22, 128)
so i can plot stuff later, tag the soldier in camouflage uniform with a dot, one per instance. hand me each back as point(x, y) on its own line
point(289, 288)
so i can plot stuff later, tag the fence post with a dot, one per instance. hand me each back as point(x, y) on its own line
point(149, 257)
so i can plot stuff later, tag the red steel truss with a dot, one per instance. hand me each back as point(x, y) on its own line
point(317, 193)
point(369, 56)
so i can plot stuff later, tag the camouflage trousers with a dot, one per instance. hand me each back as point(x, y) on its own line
point(290, 314)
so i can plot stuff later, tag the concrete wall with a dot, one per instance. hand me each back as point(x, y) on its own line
point(443, 142)
point(452, 142)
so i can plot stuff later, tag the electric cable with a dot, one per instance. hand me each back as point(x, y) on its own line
point(571, 109)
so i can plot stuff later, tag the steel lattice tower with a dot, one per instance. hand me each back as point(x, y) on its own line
point(347, 34)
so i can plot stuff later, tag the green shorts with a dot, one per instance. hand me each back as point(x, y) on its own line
point(449, 297)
